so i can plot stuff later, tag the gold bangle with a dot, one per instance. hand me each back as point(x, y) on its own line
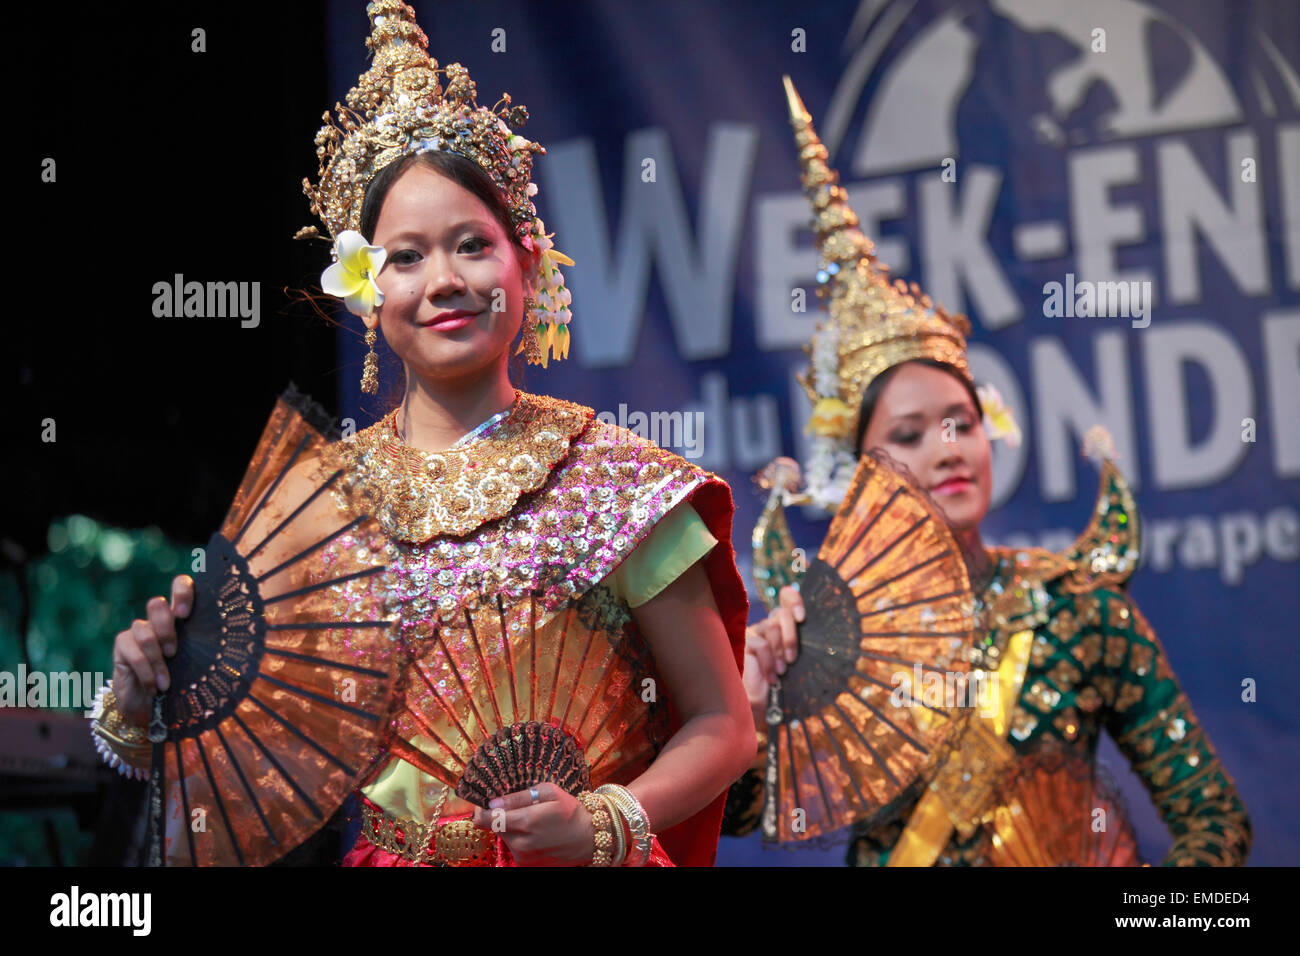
point(112, 721)
point(620, 837)
point(600, 820)
point(122, 745)
point(630, 807)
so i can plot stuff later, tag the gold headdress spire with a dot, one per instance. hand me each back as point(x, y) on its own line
point(874, 323)
point(399, 106)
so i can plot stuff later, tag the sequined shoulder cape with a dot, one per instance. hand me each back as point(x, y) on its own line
point(541, 507)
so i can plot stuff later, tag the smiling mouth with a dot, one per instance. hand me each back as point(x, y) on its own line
point(952, 486)
point(449, 321)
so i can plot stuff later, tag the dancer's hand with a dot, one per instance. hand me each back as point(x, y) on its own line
point(139, 670)
point(556, 831)
point(771, 645)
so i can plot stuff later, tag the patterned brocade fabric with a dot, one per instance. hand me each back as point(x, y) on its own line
point(1096, 664)
point(1168, 748)
point(549, 501)
point(500, 560)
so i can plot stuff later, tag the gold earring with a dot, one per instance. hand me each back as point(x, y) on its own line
point(370, 371)
point(528, 342)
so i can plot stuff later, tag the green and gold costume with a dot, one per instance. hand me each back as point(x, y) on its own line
point(1094, 664)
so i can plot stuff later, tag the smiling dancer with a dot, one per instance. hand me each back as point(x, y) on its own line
point(890, 372)
point(492, 498)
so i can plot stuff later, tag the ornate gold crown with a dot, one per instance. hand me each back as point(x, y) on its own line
point(874, 323)
point(399, 106)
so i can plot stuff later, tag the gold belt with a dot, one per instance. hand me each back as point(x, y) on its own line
point(454, 843)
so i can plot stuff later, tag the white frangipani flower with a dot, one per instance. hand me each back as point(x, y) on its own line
point(352, 276)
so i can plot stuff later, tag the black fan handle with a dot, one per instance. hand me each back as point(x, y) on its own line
point(156, 733)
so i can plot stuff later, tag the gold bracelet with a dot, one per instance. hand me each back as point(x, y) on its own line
point(639, 824)
point(620, 837)
point(600, 820)
point(122, 745)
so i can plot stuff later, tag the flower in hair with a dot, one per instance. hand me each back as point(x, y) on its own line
point(830, 417)
point(998, 420)
point(352, 276)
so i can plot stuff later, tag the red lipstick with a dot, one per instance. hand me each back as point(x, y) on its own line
point(450, 321)
point(953, 486)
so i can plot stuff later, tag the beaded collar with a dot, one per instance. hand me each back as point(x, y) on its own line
point(1015, 599)
point(417, 495)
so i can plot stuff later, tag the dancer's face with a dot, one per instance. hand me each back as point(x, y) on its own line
point(447, 255)
point(924, 418)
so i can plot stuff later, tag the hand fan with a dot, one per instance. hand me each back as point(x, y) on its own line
point(284, 670)
point(1059, 808)
point(853, 722)
point(511, 695)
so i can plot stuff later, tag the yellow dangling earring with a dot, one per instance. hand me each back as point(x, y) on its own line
point(370, 371)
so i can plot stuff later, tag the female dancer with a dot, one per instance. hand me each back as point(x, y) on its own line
point(492, 497)
point(890, 372)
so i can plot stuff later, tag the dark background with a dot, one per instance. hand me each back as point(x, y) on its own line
point(168, 161)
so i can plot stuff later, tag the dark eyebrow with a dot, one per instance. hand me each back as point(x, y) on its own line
point(480, 224)
point(419, 236)
point(947, 412)
point(403, 236)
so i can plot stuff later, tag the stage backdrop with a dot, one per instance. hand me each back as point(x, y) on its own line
point(991, 149)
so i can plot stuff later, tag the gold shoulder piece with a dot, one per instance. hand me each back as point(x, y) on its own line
point(417, 495)
point(1017, 599)
point(1107, 553)
point(773, 552)
point(775, 562)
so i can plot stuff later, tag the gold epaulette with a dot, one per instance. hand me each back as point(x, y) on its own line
point(1107, 552)
point(775, 560)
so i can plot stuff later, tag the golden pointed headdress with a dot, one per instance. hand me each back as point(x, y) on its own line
point(874, 323)
point(399, 106)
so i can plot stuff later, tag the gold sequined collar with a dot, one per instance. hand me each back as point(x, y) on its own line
point(417, 495)
point(1015, 599)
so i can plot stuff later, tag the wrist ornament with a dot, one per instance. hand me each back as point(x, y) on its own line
point(629, 807)
point(122, 745)
point(603, 825)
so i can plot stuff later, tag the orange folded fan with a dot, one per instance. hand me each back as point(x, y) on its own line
point(284, 671)
point(1057, 807)
point(511, 695)
point(887, 601)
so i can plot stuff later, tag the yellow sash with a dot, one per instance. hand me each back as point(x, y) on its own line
point(957, 798)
